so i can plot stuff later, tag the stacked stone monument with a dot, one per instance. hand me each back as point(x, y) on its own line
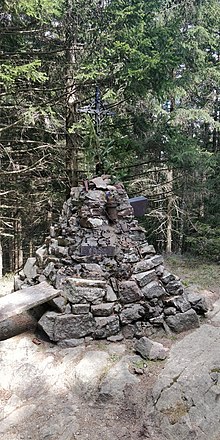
point(112, 282)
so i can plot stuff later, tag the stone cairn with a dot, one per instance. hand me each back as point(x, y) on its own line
point(112, 282)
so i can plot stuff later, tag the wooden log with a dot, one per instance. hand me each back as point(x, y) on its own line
point(25, 299)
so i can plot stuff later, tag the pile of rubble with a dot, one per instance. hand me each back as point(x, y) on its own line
point(113, 283)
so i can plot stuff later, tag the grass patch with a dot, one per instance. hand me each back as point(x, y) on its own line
point(114, 358)
point(215, 370)
point(140, 364)
point(193, 270)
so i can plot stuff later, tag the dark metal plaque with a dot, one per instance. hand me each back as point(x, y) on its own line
point(107, 251)
point(139, 205)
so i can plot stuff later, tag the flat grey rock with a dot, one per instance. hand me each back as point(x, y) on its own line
point(151, 350)
point(70, 343)
point(185, 400)
point(148, 264)
point(183, 321)
point(118, 379)
point(88, 371)
point(66, 326)
point(25, 299)
point(79, 294)
point(144, 278)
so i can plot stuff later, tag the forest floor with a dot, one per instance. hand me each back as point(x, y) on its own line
point(196, 274)
point(93, 392)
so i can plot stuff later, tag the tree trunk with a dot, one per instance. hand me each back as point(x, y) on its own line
point(169, 188)
point(18, 251)
point(1, 262)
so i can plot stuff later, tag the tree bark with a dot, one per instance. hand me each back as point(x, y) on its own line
point(18, 251)
point(169, 187)
point(1, 262)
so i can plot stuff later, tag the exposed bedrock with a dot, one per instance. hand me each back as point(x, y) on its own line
point(185, 402)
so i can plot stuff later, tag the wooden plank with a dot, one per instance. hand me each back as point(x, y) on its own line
point(25, 299)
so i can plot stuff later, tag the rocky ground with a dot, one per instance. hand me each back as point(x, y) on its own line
point(105, 391)
point(92, 392)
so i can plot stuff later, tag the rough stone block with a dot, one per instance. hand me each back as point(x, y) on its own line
point(129, 292)
point(131, 313)
point(104, 309)
point(116, 338)
point(76, 295)
point(58, 304)
point(53, 246)
point(153, 290)
point(110, 295)
point(144, 278)
point(93, 270)
point(41, 255)
point(95, 222)
point(151, 350)
point(181, 303)
point(68, 308)
point(159, 270)
point(25, 299)
point(174, 288)
point(47, 324)
point(170, 311)
point(75, 193)
point(30, 268)
point(61, 252)
point(98, 197)
point(106, 327)
point(148, 264)
point(100, 183)
point(167, 277)
point(137, 235)
point(198, 303)
point(49, 270)
point(147, 249)
point(80, 309)
point(126, 213)
point(86, 282)
point(128, 331)
point(68, 326)
point(183, 321)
